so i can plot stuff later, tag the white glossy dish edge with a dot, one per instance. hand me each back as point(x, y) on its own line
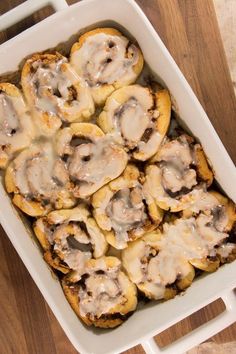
point(152, 319)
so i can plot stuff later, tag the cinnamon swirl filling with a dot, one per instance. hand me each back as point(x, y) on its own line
point(179, 179)
point(69, 238)
point(138, 118)
point(104, 296)
point(92, 159)
point(39, 180)
point(54, 92)
point(106, 60)
point(120, 209)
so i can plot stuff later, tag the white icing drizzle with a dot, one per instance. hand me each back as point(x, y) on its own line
point(156, 264)
point(225, 249)
point(79, 215)
point(105, 288)
point(106, 59)
point(74, 256)
point(95, 164)
point(196, 200)
point(177, 152)
point(58, 90)
point(173, 174)
point(176, 158)
point(126, 212)
point(74, 236)
point(38, 174)
point(16, 128)
point(201, 201)
point(8, 115)
point(133, 122)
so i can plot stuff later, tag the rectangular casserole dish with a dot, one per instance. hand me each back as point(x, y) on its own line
point(152, 318)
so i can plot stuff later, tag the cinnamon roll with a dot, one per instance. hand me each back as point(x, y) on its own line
point(138, 117)
point(92, 159)
point(160, 262)
point(180, 176)
point(69, 238)
point(106, 60)
point(212, 202)
point(104, 296)
point(54, 92)
point(119, 209)
point(16, 128)
point(38, 180)
point(220, 217)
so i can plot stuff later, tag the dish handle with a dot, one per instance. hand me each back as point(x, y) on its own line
point(201, 333)
point(27, 8)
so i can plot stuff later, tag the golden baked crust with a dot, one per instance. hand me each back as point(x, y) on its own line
point(207, 264)
point(55, 262)
point(202, 166)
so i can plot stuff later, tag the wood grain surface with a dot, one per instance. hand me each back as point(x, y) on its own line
point(189, 30)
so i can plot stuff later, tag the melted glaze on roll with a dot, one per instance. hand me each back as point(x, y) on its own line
point(69, 238)
point(138, 118)
point(120, 210)
point(16, 127)
point(92, 159)
point(159, 260)
point(104, 296)
point(179, 179)
point(106, 60)
point(54, 92)
point(39, 180)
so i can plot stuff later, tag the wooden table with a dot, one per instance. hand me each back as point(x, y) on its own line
point(189, 30)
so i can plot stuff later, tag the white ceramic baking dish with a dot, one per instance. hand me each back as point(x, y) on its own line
point(153, 318)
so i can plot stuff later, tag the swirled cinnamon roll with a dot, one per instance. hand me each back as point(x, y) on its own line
point(120, 210)
point(38, 180)
point(16, 128)
point(106, 60)
point(69, 238)
point(104, 296)
point(92, 159)
point(220, 217)
point(180, 176)
point(54, 92)
point(160, 262)
point(138, 117)
point(215, 203)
